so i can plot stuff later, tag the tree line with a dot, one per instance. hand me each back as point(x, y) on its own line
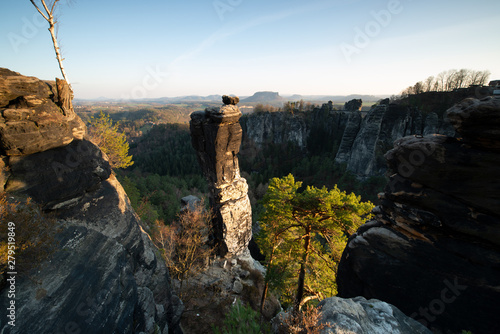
point(448, 81)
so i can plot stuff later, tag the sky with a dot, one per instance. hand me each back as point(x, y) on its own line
point(165, 48)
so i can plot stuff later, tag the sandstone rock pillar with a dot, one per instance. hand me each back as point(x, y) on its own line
point(216, 137)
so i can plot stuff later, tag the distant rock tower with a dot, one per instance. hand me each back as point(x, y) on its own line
point(216, 137)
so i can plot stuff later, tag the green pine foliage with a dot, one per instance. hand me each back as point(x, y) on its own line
point(165, 170)
point(303, 233)
point(105, 134)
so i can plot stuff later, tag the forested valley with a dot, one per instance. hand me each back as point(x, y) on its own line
point(166, 169)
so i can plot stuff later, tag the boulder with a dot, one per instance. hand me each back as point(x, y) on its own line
point(433, 249)
point(230, 100)
point(360, 316)
point(189, 202)
point(353, 105)
point(31, 117)
point(216, 137)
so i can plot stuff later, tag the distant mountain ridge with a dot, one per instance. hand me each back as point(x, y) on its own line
point(262, 96)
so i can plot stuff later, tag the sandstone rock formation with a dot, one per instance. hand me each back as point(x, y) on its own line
point(362, 139)
point(434, 248)
point(363, 151)
point(216, 137)
point(359, 316)
point(104, 275)
point(277, 128)
point(233, 100)
point(31, 121)
point(353, 105)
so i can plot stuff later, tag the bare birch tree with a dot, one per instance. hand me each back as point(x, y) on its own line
point(48, 14)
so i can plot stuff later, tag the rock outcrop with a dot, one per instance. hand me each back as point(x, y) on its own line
point(277, 128)
point(362, 138)
point(104, 275)
point(350, 133)
point(31, 119)
point(360, 316)
point(216, 137)
point(353, 105)
point(363, 151)
point(232, 100)
point(434, 248)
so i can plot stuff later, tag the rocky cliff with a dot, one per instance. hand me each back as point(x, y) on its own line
point(216, 137)
point(276, 127)
point(363, 138)
point(363, 150)
point(104, 275)
point(433, 250)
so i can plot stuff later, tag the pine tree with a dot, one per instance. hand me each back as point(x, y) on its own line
point(104, 133)
point(303, 234)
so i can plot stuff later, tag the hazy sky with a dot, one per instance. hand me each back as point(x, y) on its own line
point(154, 48)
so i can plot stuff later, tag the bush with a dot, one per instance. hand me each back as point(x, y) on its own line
point(184, 243)
point(32, 230)
point(306, 321)
point(242, 320)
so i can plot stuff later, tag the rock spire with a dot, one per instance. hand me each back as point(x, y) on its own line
point(216, 137)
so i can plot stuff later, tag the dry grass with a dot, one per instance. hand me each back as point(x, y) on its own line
point(31, 231)
point(306, 321)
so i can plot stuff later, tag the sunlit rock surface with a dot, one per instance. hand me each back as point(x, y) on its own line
point(216, 137)
point(30, 118)
point(360, 316)
point(105, 275)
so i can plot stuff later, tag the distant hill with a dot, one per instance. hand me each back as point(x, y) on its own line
point(259, 97)
point(264, 97)
point(334, 98)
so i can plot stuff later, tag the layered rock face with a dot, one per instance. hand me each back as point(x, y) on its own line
point(33, 119)
point(277, 128)
point(104, 275)
point(434, 248)
point(363, 139)
point(216, 137)
point(369, 137)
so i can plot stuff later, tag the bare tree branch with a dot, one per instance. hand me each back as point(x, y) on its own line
point(41, 13)
point(49, 16)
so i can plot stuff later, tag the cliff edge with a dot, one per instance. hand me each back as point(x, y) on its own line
point(434, 248)
point(104, 275)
